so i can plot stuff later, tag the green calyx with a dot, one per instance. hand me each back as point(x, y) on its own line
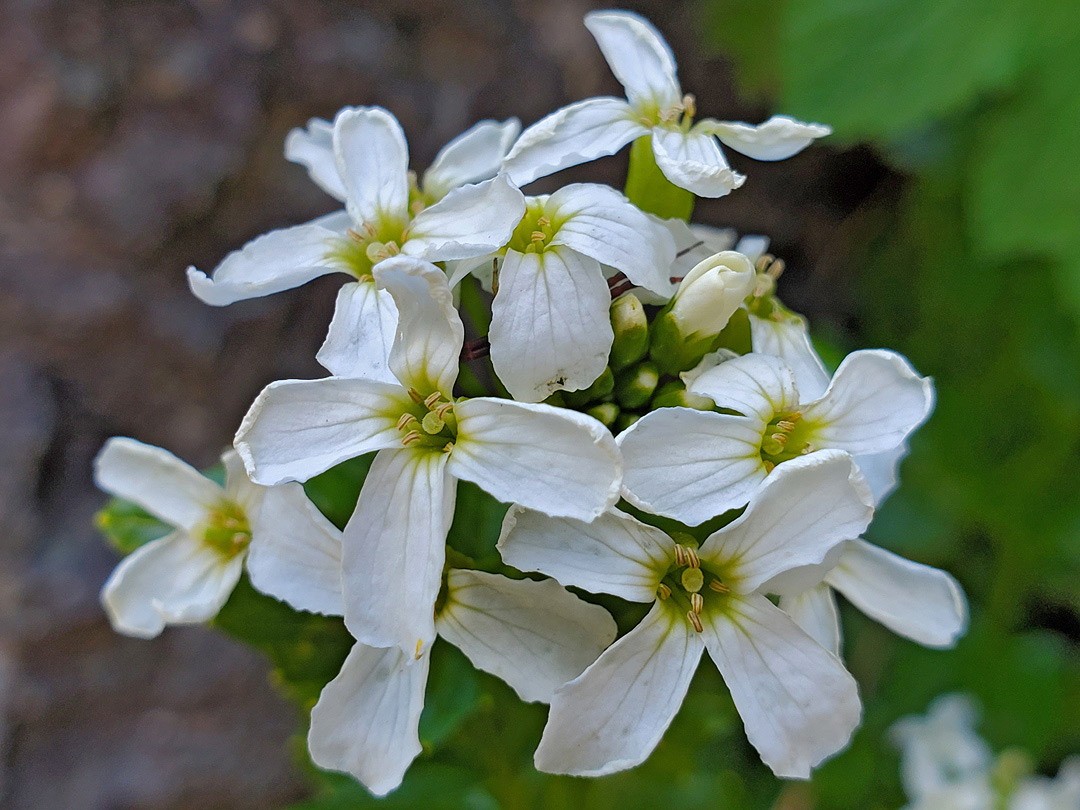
point(227, 530)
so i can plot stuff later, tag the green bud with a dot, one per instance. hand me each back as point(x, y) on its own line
point(605, 412)
point(636, 385)
point(673, 394)
point(600, 388)
point(631, 328)
point(625, 420)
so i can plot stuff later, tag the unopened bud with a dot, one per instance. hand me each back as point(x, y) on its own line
point(635, 386)
point(674, 395)
point(631, 328)
point(605, 412)
point(600, 388)
point(711, 292)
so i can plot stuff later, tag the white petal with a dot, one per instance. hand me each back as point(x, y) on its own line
point(373, 162)
point(875, 400)
point(691, 465)
point(313, 148)
point(239, 488)
point(601, 223)
point(789, 339)
point(612, 716)
point(808, 506)
point(558, 461)
point(814, 610)
point(295, 552)
point(882, 471)
point(798, 703)
point(469, 221)
point(778, 138)
point(156, 480)
point(394, 548)
point(361, 333)
point(695, 243)
point(615, 553)
point(913, 600)
point(472, 156)
point(571, 135)
point(297, 429)
point(693, 160)
point(536, 636)
point(550, 328)
point(426, 350)
point(639, 57)
point(752, 246)
point(367, 719)
point(172, 580)
point(756, 385)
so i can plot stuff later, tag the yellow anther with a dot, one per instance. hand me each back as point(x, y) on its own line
point(779, 438)
point(416, 207)
point(392, 248)
point(694, 620)
point(419, 648)
point(414, 395)
point(807, 450)
point(719, 587)
point(697, 603)
point(431, 399)
point(538, 237)
point(355, 236)
point(692, 579)
point(543, 221)
point(449, 446)
point(663, 591)
point(692, 558)
point(785, 425)
point(689, 104)
point(444, 409)
point(410, 438)
point(769, 466)
point(405, 420)
point(431, 423)
point(680, 555)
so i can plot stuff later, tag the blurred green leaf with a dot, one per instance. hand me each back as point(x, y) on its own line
point(128, 526)
point(428, 786)
point(336, 491)
point(452, 694)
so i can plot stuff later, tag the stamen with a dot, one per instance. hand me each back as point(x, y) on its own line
point(432, 423)
point(697, 603)
point(692, 558)
point(414, 395)
point(807, 450)
point(417, 206)
point(719, 587)
point(538, 237)
point(689, 104)
point(355, 236)
point(694, 620)
point(543, 221)
point(663, 591)
point(392, 248)
point(410, 438)
point(444, 409)
point(769, 466)
point(405, 420)
point(448, 447)
point(239, 540)
point(431, 399)
point(785, 425)
point(419, 647)
point(680, 555)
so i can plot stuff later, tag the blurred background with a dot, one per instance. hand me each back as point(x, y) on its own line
point(940, 220)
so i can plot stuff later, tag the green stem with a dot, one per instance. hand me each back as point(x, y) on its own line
point(473, 304)
point(649, 190)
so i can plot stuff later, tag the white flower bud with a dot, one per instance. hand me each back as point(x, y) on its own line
point(711, 292)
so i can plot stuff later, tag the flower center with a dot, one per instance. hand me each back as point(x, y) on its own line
point(367, 245)
point(680, 115)
point(786, 437)
point(687, 585)
point(227, 530)
point(535, 231)
point(430, 422)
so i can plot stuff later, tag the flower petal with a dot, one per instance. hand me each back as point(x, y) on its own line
point(756, 385)
point(361, 333)
point(550, 328)
point(612, 716)
point(313, 148)
point(555, 460)
point(638, 56)
point(156, 480)
point(693, 160)
point(913, 600)
point(882, 471)
point(469, 221)
point(814, 610)
point(694, 243)
point(788, 337)
point(536, 636)
point(778, 138)
point(691, 465)
point(394, 548)
point(297, 429)
point(373, 163)
point(798, 703)
point(615, 553)
point(472, 156)
point(367, 719)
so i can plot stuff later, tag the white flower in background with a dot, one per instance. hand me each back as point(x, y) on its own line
point(536, 636)
point(1043, 793)
point(363, 160)
point(798, 703)
point(186, 576)
point(558, 461)
point(655, 106)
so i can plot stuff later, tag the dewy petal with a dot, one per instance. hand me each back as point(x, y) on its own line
point(295, 552)
point(808, 506)
point(798, 703)
point(612, 716)
point(172, 580)
point(313, 148)
point(469, 221)
point(472, 156)
point(789, 339)
point(361, 333)
point(536, 636)
point(427, 348)
point(394, 548)
point(638, 56)
point(156, 480)
point(882, 471)
point(615, 553)
point(875, 400)
point(778, 138)
point(599, 222)
point(913, 600)
point(693, 160)
point(756, 385)
point(814, 610)
point(691, 465)
point(550, 328)
point(297, 429)
point(366, 722)
point(577, 133)
point(555, 460)
point(373, 162)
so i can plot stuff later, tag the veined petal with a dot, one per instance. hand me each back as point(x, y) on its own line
point(373, 163)
point(555, 460)
point(313, 148)
point(239, 488)
point(756, 385)
point(550, 328)
point(615, 553)
point(297, 429)
point(536, 636)
point(753, 246)
point(577, 133)
point(156, 480)
point(472, 156)
point(172, 580)
point(469, 221)
point(789, 339)
point(612, 716)
point(295, 552)
point(394, 548)
point(691, 465)
point(693, 160)
point(798, 703)
point(638, 56)
point(814, 610)
point(882, 471)
point(361, 333)
point(694, 243)
point(875, 400)
point(915, 601)
point(778, 138)
point(367, 719)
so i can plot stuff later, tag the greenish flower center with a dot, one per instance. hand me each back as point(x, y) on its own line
point(678, 116)
point(366, 246)
point(430, 422)
point(535, 231)
point(786, 437)
point(689, 587)
point(227, 530)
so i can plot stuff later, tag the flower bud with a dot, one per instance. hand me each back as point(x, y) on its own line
point(636, 385)
point(631, 328)
point(605, 412)
point(710, 294)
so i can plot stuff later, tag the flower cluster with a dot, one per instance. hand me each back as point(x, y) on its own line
point(659, 422)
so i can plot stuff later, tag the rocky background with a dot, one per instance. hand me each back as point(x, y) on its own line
point(139, 137)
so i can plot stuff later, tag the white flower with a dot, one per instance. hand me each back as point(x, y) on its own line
point(536, 636)
point(186, 576)
point(798, 703)
point(711, 292)
point(875, 400)
point(554, 460)
point(1042, 793)
point(655, 106)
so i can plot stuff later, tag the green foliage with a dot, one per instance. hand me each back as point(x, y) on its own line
point(127, 526)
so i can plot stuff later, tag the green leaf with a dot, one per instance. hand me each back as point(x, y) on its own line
point(128, 526)
point(335, 491)
point(427, 786)
point(453, 693)
point(477, 520)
